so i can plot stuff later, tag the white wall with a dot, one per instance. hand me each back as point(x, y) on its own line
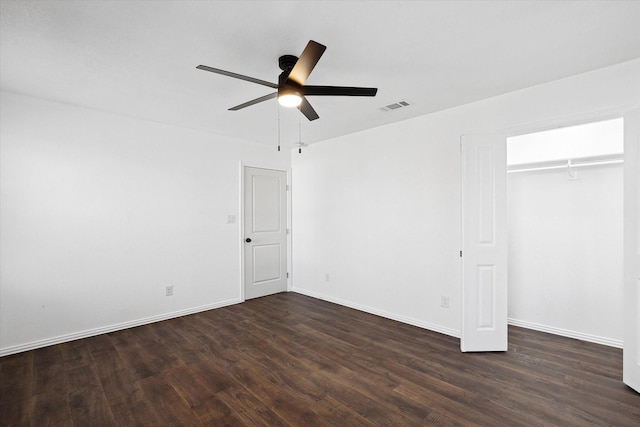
point(379, 210)
point(100, 212)
point(565, 252)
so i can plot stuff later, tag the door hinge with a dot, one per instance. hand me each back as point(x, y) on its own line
point(460, 254)
point(287, 274)
point(287, 231)
point(287, 187)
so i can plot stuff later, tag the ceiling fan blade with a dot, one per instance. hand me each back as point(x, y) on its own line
point(307, 60)
point(339, 91)
point(237, 76)
point(306, 109)
point(254, 101)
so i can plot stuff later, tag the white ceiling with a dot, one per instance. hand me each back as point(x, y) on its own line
point(138, 58)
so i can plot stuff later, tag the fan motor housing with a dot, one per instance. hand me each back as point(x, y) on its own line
point(284, 83)
point(286, 62)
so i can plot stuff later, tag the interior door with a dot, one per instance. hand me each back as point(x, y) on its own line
point(631, 357)
point(265, 232)
point(484, 243)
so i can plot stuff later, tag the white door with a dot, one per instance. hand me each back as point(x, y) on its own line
point(484, 243)
point(631, 364)
point(265, 232)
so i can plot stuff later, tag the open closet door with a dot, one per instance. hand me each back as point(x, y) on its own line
point(484, 243)
point(631, 364)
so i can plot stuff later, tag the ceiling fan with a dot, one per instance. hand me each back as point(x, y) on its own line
point(292, 91)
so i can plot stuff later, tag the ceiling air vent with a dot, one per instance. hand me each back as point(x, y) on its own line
point(395, 106)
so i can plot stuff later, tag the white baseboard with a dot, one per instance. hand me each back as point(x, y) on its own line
point(112, 328)
point(381, 313)
point(567, 333)
point(410, 321)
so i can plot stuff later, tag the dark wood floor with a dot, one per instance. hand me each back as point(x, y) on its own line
point(289, 359)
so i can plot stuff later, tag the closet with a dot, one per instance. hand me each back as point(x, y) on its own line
point(565, 209)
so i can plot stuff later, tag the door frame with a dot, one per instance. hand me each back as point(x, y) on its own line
point(631, 264)
point(241, 222)
point(543, 125)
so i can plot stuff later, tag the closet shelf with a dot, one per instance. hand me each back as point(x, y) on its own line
point(567, 163)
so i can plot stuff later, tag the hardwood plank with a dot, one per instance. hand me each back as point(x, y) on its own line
point(167, 406)
point(192, 389)
point(48, 370)
point(213, 412)
point(90, 407)
point(50, 409)
point(342, 371)
point(248, 408)
point(291, 360)
point(16, 388)
point(335, 413)
point(134, 413)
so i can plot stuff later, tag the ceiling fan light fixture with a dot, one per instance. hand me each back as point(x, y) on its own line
point(289, 98)
point(292, 90)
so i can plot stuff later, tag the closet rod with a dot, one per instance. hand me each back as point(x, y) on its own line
point(569, 164)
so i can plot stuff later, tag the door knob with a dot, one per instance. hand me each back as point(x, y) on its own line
point(248, 240)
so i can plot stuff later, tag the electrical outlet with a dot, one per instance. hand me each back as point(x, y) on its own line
point(444, 302)
point(169, 290)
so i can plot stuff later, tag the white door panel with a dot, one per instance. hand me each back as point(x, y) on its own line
point(265, 232)
point(484, 243)
point(631, 357)
point(267, 214)
point(266, 262)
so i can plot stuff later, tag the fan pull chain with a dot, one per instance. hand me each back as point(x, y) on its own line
point(299, 136)
point(278, 107)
